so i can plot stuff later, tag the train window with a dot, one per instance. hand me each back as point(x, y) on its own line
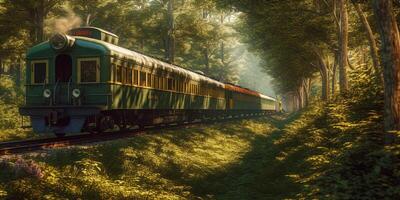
point(162, 83)
point(39, 71)
point(123, 75)
point(142, 78)
point(159, 84)
point(180, 86)
point(135, 77)
point(183, 86)
point(88, 70)
point(148, 80)
point(156, 82)
point(170, 82)
point(129, 76)
point(118, 72)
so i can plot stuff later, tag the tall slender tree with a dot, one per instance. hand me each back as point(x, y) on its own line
point(170, 53)
point(390, 57)
point(371, 40)
point(343, 45)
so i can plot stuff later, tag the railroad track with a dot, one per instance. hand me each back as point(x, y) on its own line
point(23, 146)
point(53, 142)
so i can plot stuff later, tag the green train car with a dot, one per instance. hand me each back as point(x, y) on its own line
point(84, 81)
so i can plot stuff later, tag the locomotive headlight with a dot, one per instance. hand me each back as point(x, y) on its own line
point(46, 93)
point(76, 93)
point(61, 41)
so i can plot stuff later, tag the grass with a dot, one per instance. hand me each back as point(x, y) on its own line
point(222, 161)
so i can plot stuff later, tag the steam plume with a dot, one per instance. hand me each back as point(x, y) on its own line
point(62, 25)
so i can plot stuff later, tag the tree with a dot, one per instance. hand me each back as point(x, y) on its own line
point(170, 53)
point(288, 39)
point(32, 14)
point(390, 58)
point(343, 44)
point(371, 40)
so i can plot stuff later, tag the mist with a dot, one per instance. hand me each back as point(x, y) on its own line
point(252, 75)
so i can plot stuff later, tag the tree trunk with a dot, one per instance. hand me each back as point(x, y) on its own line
point(371, 40)
point(334, 71)
point(343, 43)
point(306, 87)
point(1, 66)
point(166, 48)
point(324, 72)
point(171, 34)
point(142, 44)
point(222, 42)
point(37, 14)
point(40, 22)
point(295, 102)
point(300, 97)
point(206, 61)
point(390, 58)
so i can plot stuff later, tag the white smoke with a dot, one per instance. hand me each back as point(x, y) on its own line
point(64, 24)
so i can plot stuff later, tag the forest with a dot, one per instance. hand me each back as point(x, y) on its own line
point(333, 64)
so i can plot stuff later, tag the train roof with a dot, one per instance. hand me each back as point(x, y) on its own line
point(123, 53)
point(236, 88)
point(95, 33)
point(267, 97)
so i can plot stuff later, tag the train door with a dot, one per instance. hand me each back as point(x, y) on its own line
point(63, 79)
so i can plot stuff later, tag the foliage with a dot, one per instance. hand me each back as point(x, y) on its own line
point(200, 30)
point(177, 164)
point(342, 144)
point(10, 98)
point(286, 34)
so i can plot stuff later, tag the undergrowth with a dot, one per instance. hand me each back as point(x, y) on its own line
point(11, 97)
point(344, 148)
point(196, 162)
point(334, 150)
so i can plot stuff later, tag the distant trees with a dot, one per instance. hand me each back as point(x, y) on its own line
point(188, 33)
point(294, 38)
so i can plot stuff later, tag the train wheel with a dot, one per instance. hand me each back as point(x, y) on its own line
point(104, 123)
point(141, 126)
